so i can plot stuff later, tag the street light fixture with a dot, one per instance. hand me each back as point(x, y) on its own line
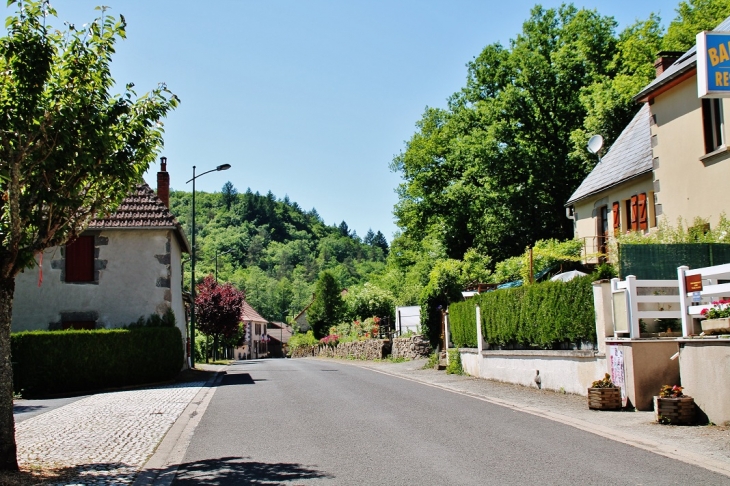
point(216, 261)
point(192, 263)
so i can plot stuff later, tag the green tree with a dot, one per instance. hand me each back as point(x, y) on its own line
point(229, 194)
point(694, 16)
point(69, 150)
point(369, 300)
point(327, 308)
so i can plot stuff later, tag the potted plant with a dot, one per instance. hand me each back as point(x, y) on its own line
point(717, 317)
point(671, 406)
point(604, 395)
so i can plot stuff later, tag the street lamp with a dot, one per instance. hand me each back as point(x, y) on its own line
point(216, 261)
point(192, 263)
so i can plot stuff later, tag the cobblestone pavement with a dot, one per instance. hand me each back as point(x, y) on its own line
point(108, 436)
point(695, 443)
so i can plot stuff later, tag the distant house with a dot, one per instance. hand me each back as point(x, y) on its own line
point(279, 334)
point(617, 195)
point(126, 265)
point(256, 345)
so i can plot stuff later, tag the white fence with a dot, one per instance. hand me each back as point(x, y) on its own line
point(694, 302)
point(627, 298)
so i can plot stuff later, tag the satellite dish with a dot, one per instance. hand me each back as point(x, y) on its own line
point(595, 144)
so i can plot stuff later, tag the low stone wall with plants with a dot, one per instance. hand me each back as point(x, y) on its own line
point(413, 347)
point(367, 349)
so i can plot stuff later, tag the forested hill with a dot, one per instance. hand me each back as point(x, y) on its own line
point(272, 248)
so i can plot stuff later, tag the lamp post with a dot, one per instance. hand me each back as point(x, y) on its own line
point(192, 263)
point(216, 261)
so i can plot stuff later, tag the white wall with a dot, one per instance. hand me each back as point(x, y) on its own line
point(569, 371)
point(127, 287)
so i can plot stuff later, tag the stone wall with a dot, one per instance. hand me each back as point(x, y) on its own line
point(369, 349)
point(413, 347)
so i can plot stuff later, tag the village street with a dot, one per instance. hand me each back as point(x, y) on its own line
point(308, 421)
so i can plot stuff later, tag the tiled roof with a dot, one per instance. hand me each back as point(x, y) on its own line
point(684, 64)
point(250, 315)
point(141, 209)
point(629, 156)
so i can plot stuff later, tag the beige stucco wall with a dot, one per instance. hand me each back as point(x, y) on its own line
point(704, 369)
point(568, 371)
point(687, 186)
point(586, 211)
point(127, 287)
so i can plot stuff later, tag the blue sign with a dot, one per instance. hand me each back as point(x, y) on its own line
point(713, 64)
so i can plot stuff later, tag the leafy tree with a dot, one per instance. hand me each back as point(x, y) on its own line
point(369, 300)
point(694, 16)
point(444, 287)
point(218, 310)
point(229, 195)
point(327, 308)
point(379, 241)
point(344, 230)
point(70, 150)
point(369, 237)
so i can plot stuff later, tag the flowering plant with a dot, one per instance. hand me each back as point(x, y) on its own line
point(671, 391)
point(330, 340)
point(719, 309)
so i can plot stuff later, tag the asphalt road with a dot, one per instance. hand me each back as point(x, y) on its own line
point(306, 422)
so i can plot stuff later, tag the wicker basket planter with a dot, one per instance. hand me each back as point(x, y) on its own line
point(674, 411)
point(604, 398)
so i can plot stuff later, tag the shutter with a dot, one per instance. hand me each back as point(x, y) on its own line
point(634, 213)
point(80, 260)
point(616, 218)
point(643, 217)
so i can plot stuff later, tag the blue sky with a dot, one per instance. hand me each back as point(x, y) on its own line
point(310, 99)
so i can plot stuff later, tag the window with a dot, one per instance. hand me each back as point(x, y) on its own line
point(712, 124)
point(616, 213)
point(638, 211)
point(80, 260)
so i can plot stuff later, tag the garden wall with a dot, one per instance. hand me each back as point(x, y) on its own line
point(413, 347)
point(369, 349)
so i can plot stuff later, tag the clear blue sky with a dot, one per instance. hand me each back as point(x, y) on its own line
point(310, 99)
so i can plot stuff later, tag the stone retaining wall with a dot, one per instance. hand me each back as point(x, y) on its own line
point(369, 349)
point(413, 347)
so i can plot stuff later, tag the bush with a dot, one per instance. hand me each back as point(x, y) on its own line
point(51, 362)
point(454, 366)
point(298, 340)
point(539, 315)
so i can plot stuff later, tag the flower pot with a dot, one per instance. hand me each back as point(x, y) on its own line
point(604, 398)
point(722, 323)
point(674, 411)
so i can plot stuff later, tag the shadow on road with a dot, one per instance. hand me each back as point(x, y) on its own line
point(237, 379)
point(237, 470)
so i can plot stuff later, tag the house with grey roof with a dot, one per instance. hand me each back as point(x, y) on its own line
point(616, 196)
point(124, 266)
point(669, 163)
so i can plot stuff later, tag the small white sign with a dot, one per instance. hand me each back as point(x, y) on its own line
point(696, 296)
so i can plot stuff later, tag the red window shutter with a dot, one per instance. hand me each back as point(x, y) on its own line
point(80, 260)
point(634, 213)
point(643, 216)
point(616, 218)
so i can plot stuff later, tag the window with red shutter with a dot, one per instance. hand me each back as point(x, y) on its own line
point(80, 260)
point(643, 215)
point(616, 218)
point(634, 213)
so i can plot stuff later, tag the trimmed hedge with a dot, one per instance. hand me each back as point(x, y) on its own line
point(52, 362)
point(542, 315)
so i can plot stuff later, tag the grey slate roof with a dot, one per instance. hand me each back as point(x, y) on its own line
point(687, 62)
point(629, 156)
point(141, 209)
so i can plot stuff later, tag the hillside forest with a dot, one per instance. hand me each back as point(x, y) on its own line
point(483, 177)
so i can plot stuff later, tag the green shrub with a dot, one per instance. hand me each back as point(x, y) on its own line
point(433, 360)
point(454, 366)
point(539, 315)
point(52, 362)
point(307, 339)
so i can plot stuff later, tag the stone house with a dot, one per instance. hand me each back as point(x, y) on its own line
point(256, 345)
point(124, 266)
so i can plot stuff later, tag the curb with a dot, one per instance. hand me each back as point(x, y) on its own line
point(161, 468)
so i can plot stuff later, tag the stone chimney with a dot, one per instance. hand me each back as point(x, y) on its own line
point(664, 59)
point(163, 183)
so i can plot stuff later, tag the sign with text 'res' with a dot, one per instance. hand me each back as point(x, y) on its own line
point(713, 64)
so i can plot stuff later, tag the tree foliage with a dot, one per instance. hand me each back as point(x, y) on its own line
point(327, 308)
point(218, 309)
point(69, 149)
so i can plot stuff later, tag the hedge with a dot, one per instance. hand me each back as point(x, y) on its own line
point(53, 362)
point(541, 315)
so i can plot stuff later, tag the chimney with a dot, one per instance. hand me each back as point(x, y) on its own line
point(163, 183)
point(664, 59)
